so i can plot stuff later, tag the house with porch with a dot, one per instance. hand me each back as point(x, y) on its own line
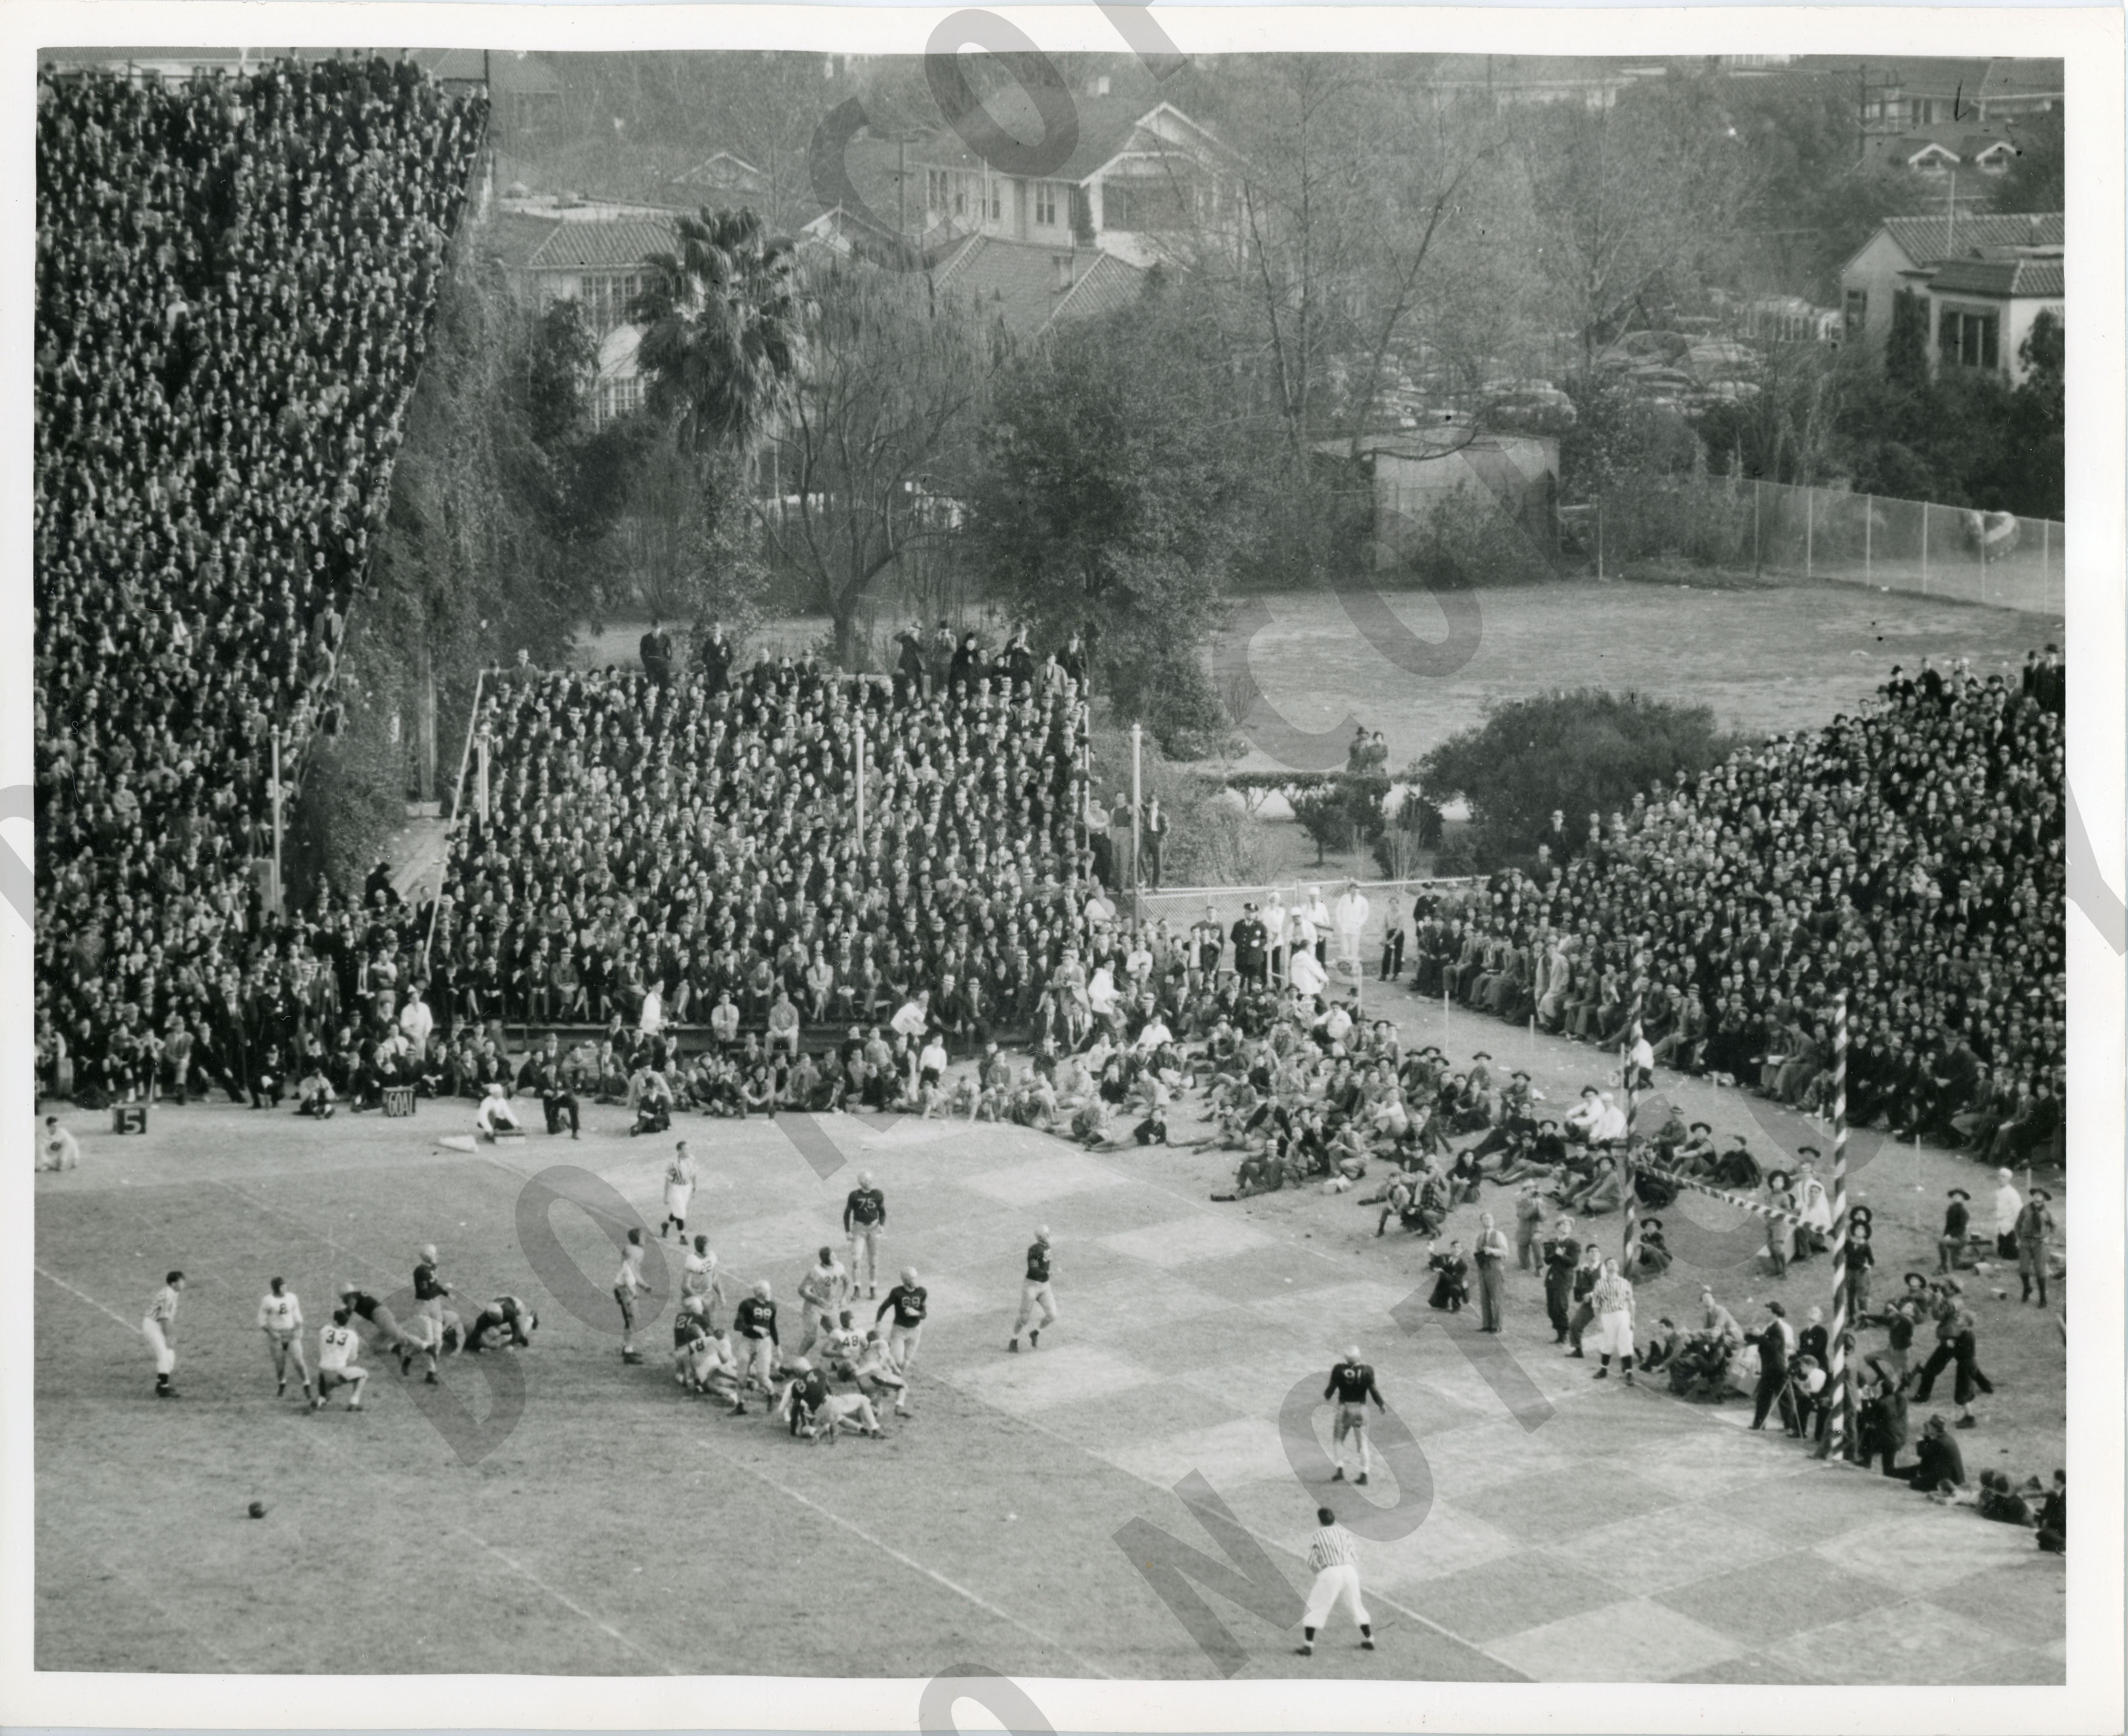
point(1144, 184)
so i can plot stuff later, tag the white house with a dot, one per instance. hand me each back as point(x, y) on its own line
point(1897, 257)
point(1143, 184)
point(1982, 306)
point(599, 264)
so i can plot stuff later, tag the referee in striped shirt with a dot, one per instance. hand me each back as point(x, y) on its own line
point(1336, 1565)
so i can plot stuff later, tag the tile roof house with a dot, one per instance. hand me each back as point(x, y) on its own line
point(600, 266)
point(1938, 150)
point(1895, 259)
point(1982, 306)
point(1029, 286)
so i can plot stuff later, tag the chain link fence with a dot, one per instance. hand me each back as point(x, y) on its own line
point(1182, 907)
point(1775, 529)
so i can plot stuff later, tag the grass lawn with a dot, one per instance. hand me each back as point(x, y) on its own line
point(1766, 660)
point(619, 1527)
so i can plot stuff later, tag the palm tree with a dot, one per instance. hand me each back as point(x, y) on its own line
point(724, 330)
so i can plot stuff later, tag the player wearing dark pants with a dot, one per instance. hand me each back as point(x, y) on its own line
point(504, 1321)
point(1352, 1384)
point(364, 1305)
point(430, 1291)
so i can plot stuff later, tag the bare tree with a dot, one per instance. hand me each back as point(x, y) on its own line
point(868, 460)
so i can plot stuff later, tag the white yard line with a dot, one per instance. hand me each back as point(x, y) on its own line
point(324, 1439)
point(910, 1562)
point(561, 1597)
point(132, 1327)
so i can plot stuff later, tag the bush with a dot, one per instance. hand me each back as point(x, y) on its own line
point(1466, 540)
point(1342, 813)
point(1583, 752)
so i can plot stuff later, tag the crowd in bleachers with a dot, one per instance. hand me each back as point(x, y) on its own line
point(1910, 854)
point(234, 280)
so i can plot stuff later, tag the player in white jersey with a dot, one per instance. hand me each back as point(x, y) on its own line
point(161, 1330)
point(823, 1289)
point(337, 1344)
point(281, 1319)
point(877, 1373)
point(679, 1191)
point(627, 1285)
point(843, 1348)
point(702, 1278)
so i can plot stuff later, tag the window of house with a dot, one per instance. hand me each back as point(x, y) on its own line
point(1967, 338)
point(1045, 203)
point(960, 195)
point(1857, 308)
point(606, 297)
point(997, 200)
point(616, 398)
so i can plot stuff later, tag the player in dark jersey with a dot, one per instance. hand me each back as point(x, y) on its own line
point(389, 1332)
point(908, 1301)
point(429, 1292)
point(504, 1321)
point(1352, 1384)
point(1035, 1290)
point(864, 1222)
point(805, 1397)
point(758, 1344)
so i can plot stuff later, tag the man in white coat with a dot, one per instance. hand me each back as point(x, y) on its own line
point(1350, 915)
point(1277, 922)
point(1318, 923)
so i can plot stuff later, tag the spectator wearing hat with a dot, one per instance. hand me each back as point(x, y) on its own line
point(1776, 1343)
point(1955, 1343)
point(1561, 1256)
point(1529, 1221)
point(1780, 1223)
point(1251, 949)
point(1939, 1468)
point(1736, 1168)
point(1880, 1423)
point(2035, 1225)
point(1861, 1260)
point(1654, 1255)
point(1950, 1243)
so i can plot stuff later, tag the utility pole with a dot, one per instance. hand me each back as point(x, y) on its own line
point(900, 187)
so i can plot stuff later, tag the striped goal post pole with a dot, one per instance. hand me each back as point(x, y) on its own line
point(1840, 1423)
point(1628, 1198)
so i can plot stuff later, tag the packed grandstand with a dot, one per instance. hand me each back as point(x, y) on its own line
point(233, 281)
point(234, 278)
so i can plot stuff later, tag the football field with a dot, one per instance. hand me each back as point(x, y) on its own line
point(555, 1511)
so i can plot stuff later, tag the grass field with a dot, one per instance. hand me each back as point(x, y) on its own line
point(1766, 660)
point(1592, 1532)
